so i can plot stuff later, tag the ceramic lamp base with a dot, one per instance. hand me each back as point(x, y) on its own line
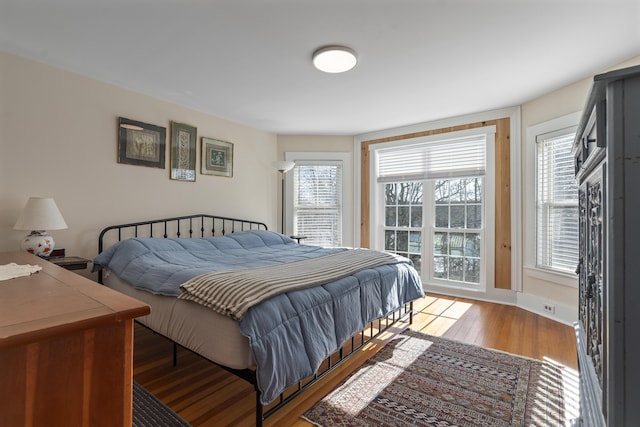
point(38, 243)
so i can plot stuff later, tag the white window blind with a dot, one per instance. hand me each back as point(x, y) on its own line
point(317, 202)
point(557, 203)
point(433, 160)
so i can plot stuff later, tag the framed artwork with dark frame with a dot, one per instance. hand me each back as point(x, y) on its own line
point(141, 144)
point(217, 157)
point(183, 152)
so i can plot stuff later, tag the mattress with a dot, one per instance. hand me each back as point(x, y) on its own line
point(191, 325)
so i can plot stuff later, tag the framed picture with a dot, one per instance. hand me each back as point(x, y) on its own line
point(141, 143)
point(183, 152)
point(217, 157)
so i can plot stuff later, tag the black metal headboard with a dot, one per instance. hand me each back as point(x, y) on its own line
point(189, 226)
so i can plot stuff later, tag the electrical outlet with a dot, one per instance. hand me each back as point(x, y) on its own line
point(551, 309)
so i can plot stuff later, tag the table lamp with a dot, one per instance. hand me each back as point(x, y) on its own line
point(40, 214)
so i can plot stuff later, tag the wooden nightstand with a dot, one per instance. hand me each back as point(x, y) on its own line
point(69, 262)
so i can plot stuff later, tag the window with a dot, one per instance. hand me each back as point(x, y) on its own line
point(432, 200)
point(403, 220)
point(318, 190)
point(556, 203)
point(457, 231)
point(317, 202)
point(551, 216)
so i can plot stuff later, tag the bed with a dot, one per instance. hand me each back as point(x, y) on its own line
point(281, 308)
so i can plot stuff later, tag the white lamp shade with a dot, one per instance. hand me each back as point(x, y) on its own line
point(40, 214)
point(283, 166)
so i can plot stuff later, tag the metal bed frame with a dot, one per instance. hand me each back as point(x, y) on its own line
point(204, 225)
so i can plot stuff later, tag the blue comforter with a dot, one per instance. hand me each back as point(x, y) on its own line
point(289, 334)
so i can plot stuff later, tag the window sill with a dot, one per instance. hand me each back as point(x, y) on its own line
point(455, 285)
point(564, 279)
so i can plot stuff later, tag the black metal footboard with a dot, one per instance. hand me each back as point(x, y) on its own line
point(357, 342)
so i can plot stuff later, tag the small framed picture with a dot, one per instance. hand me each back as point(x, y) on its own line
point(183, 152)
point(141, 144)
point(217, 157)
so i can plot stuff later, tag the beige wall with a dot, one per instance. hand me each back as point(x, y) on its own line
point(558, 103)
point(314, 143)
point(555, 104)
point(59, 136)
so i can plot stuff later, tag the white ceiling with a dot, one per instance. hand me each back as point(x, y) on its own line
point(249, 61)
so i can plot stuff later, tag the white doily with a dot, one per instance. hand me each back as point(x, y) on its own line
point(13, 270)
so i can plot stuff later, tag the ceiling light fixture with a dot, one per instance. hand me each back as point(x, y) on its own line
point(334, 59)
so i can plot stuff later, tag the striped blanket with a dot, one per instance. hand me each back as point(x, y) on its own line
point(233, 292)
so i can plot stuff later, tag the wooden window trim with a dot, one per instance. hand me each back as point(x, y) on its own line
point(502, 191)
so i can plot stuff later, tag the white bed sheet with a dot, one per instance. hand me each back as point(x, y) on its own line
point(191, 325)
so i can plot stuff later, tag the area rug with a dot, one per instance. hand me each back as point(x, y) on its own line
point(149, 411)
point(421, 380)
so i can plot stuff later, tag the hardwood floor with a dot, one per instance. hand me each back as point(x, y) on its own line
point(206, 395)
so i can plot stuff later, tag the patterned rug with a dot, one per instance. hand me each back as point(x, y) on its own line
point(149, 411)
point(421, 380)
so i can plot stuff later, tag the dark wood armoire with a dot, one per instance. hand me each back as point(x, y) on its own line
point(607, 164)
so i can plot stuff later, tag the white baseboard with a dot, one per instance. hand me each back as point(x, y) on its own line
point(561, 313)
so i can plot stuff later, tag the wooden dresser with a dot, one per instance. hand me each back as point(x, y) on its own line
point(66, 349)
point(607, 160)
